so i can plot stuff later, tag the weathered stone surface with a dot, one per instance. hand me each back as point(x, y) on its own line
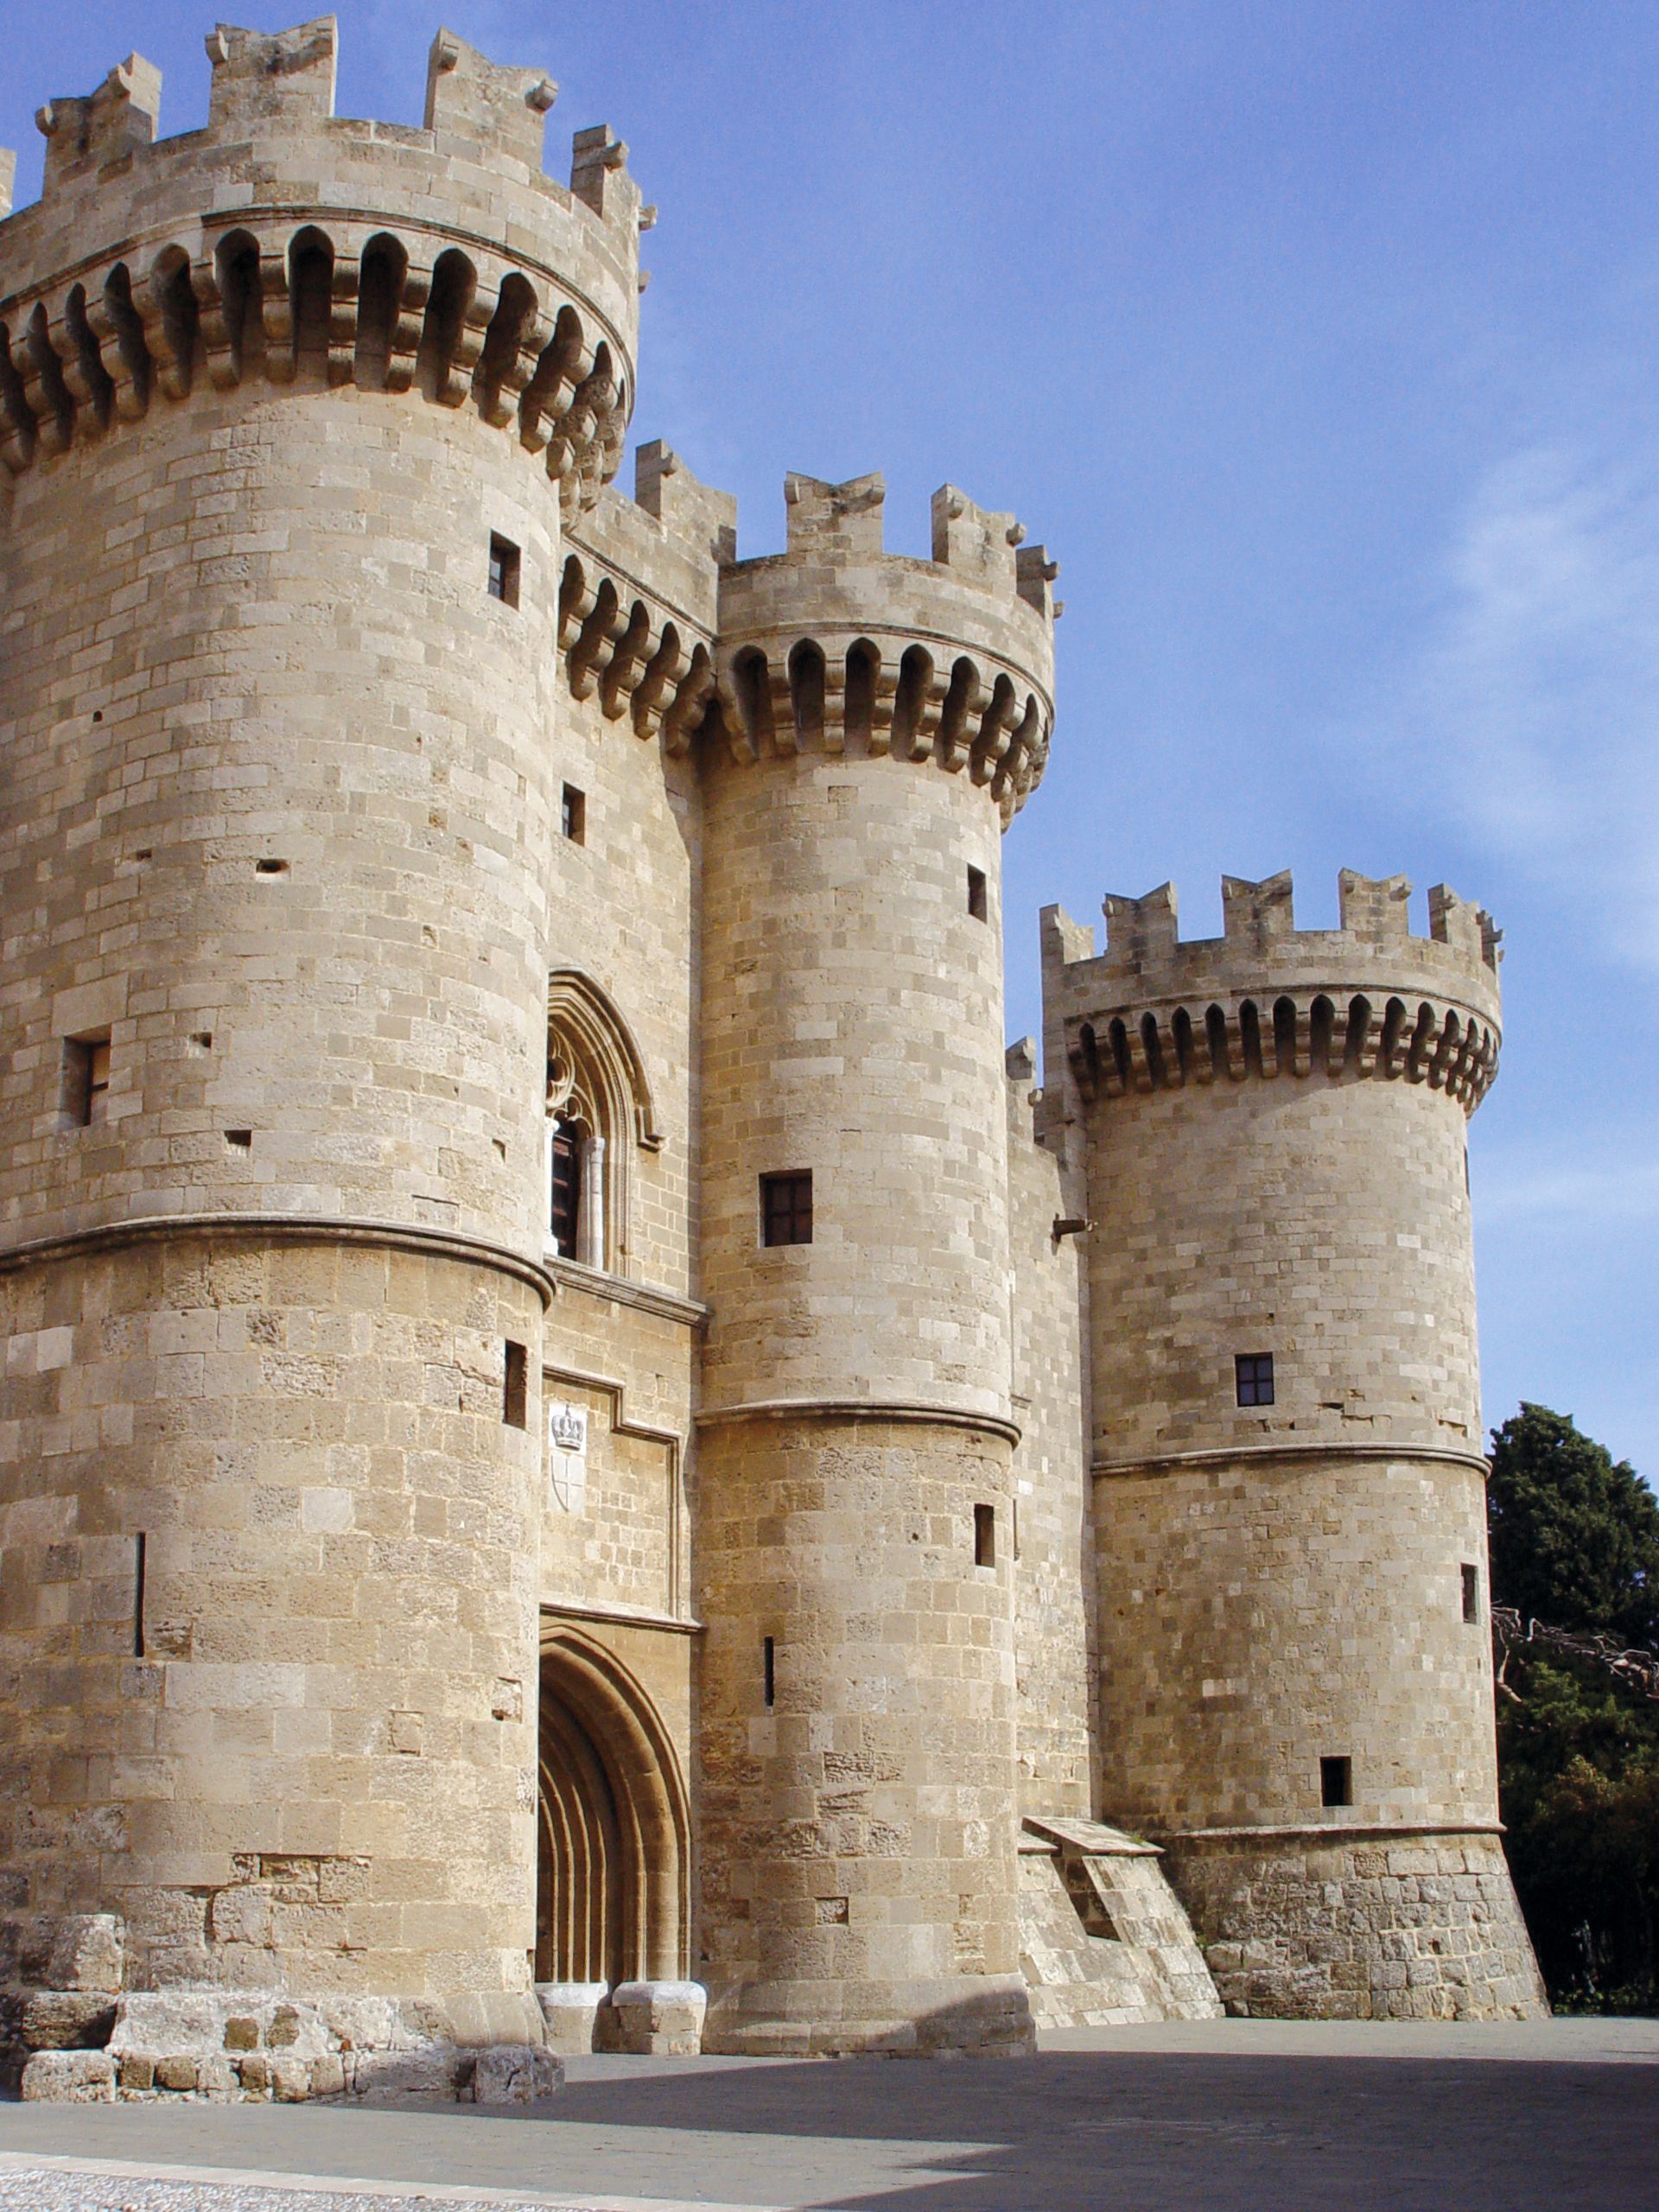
point(407, 823)
point(571, 2010)
point(69, 2077)
point(61, 2019)
point(664, 2018)
point(88, 1952)
point(515, 2073)
point(1104, 1940)
point(1347, 1932)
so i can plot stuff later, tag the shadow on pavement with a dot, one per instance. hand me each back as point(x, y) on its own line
point(1062, 2132)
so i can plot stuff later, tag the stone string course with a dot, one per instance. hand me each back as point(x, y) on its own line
point(422, 1645)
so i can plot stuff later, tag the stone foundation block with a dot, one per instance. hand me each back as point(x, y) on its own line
point(290, 2080)
point(663, 2018)
point(70, 2077)
point(225, 2044)
point(515, 2073)
point(67, 2019)
point(571, 2010)
point(88, 1952)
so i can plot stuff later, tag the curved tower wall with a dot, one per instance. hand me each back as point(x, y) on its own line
point(279, 791)
point(1278, 1168)
point(858, 1831)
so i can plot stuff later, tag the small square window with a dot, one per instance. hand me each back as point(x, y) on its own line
point(573, 815)
point(1253, 1377)
point(984, 1535)
point(1336, 1782)
point(86, 1079)
point(515, 1391)
point(1470, 1592)
point(504, 570)
point(786, 1208)
point(976, 906)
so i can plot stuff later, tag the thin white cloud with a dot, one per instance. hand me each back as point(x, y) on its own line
point(1621, 1193)
point(1535, 707)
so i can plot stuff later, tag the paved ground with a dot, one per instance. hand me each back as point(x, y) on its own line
point(1233, 2116)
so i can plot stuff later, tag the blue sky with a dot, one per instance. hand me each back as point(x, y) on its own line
point(1317, 340)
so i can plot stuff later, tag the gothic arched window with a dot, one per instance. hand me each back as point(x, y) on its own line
point(598, 1109)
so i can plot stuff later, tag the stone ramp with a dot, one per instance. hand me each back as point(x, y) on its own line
point(1103, 1939)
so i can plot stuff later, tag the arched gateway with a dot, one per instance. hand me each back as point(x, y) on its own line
point(611, 1871)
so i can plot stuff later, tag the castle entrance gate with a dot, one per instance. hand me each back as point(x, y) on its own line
point(611, 1876)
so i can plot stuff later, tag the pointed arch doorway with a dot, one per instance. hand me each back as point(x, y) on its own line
point(611, 1877)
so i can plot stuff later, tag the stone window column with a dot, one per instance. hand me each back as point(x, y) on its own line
point(590, 1214)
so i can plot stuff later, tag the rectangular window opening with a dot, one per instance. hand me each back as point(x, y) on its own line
point(1336, 1782)
point(86, 1079)
point(984, 1535)
point(504, 570)
point(515, 1390)
point(239, 1140)
point(573, 815)
point(769, 1667)
point(787, 1207)
point(1253, 1377)
point(976, 906)
point(139, 1547)
point(1470, 1592)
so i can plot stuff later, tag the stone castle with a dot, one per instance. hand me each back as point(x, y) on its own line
point(583, 1454)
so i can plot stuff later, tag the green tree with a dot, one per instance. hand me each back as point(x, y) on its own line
point(1574, 1534)
point(1575, 1544)
point(1578, 1763)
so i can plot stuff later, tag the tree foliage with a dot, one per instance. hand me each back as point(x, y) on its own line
point(1574, 1533)
point(1575, 1542)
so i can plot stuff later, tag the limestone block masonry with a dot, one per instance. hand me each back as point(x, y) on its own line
point(571, 1422)
point(1295, 1644)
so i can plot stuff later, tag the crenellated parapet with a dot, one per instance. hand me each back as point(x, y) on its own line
point(638, 598)
point(837, 646)
point(287, 245)
point(1367, 1000)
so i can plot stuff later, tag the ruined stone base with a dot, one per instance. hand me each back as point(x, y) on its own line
point(226, 2046)
point(1103, 1939)
point(570, 2012)
point(659, 2018)
point(989, 2017)
point(1359, 1924)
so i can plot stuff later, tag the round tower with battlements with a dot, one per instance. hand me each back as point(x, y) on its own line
point(880, 721)
point(290, 409)
point(1295, 1668)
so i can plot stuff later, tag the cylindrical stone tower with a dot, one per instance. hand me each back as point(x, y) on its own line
point(881, 719)
point(1295, 1665)
point(287, 408)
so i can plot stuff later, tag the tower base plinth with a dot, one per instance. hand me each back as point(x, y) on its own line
point(1359, 1924)
point(984, 2015)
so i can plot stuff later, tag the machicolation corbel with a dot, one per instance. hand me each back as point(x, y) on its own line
point(409, 269)
point(1155, 1012)
point(837, 646)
